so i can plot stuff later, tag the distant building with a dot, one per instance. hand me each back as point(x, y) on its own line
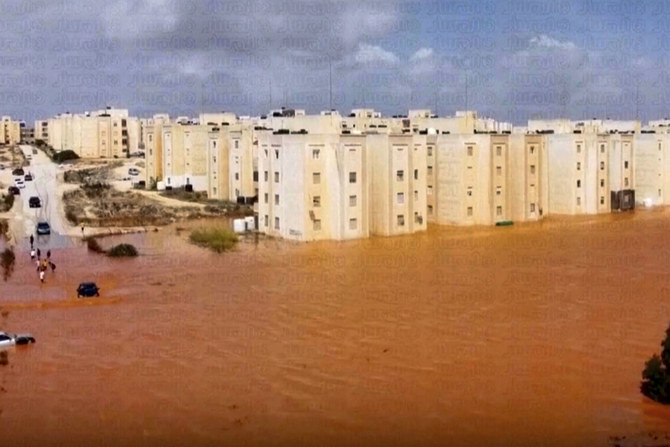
point(10, 131)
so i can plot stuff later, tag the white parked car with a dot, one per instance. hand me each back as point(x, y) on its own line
point(19, 183)
point(7, 339)
point(133, 171)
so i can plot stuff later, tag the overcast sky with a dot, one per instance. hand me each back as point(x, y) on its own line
point(516, 59)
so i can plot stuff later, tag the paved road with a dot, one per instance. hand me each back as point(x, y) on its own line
point(44, 186)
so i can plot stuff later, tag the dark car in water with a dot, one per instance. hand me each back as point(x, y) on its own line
point(28, 177)
point(14, 190)
point(34, 202)
point(18, 171)
point(43, 228)
point(88, 289)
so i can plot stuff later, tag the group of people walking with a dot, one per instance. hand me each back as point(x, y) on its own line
point(41, 263)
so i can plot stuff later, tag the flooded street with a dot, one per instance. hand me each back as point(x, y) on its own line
point(527, 335)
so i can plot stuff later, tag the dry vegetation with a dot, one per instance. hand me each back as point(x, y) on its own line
point(99, 205)
point(90, 175)
point(14, 155)
point(212, 207)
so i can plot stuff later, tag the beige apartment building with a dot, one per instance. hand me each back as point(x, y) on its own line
point(10, 131)
point(397, 183)
point(579, 173)
point(341, 186)
point(100, 134)
point(470, 179)
point(152, 136)
point(184, 156)
point(652, 167)
point(42, 130)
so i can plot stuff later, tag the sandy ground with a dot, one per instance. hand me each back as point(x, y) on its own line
point(49, 186)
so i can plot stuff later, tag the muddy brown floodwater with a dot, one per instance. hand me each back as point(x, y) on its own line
point(527, 335)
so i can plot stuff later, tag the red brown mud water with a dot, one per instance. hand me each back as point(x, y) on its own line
point(528, 335)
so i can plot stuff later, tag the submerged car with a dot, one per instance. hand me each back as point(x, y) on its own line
point(19, 183)
point(14, 190)
point(34, 202)
point(133, 171)
point(43, 228)
point(88, 289)
point(18, 171)
point(8, 339)
point(28, 178)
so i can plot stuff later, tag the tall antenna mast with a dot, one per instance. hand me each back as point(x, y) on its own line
point(330, 82)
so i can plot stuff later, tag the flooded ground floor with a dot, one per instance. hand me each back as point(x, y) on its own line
point(526, 335)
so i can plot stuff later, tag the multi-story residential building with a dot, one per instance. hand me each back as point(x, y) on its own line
point(10, 131)
point(27, 133)
point(42, 130)
point(622, 172)
point(100, 134)
point(313, 186)
point(528, 180)
point(341, 186)
point(397, 183)
point(152, 135)
point(650, 168)
point(469, 179)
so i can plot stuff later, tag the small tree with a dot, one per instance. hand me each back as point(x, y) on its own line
point(656, 374)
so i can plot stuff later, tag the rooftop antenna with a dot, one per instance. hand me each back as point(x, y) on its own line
point(330, 82)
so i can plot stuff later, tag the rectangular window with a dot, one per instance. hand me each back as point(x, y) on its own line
point(316, 178)
point(416, 195)
point(352, 200)
point(276, 223)
point(317, 225)
point(498, 151)
point(499, 211)
point(400, 176)
point(430, 151)
point(315, 154)
point(602, 148)
point(469, 191)
point(401, 220)
point(265, 197)
point(276, 199)
point(579, 183)
point(237, 144)
point(352, 177)
point(532, 169)
point(237, 176)
point(532, 207)
point(602, 200)
point(469, 211)
point(416, 174)
point(625, 165)
point(498, 170)
point(532, 149)
point(400, 198)
point(579, 201)
point(267, 218)
point(277, 153)
point(430, 170)
point(579, 148)
point(429, 190)
point(625, 181)
point(470, 151)
point(276, 177)
point(430, 209)
point(316, 201)
point(498, 190)
point(579, 166)
point(602, 165)
point(353, 224)
point(602, 183)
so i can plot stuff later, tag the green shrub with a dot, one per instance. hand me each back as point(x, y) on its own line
point(60, 157)
point(219, 239)
point(122, 250)
point(7, 202)
point(7, 259)
point(656, 375)
point(94, 246)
